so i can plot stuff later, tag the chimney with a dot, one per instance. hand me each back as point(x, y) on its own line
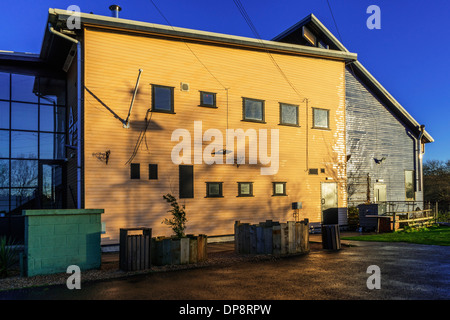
point(115, 10)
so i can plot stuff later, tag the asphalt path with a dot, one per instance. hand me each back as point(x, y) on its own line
point(402, 271)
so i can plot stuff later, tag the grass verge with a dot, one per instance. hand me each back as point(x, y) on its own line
point(436, 235)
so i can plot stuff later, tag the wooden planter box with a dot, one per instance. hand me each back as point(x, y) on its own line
point(168, 251)
point(272, 237)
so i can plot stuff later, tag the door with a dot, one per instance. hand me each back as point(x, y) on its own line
point(51, 184)
point(329, 199)
point(379, 192)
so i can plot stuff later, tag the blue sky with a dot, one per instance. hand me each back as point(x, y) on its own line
point(409, 55)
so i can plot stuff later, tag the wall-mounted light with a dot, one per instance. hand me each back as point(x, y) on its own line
point(328, 178)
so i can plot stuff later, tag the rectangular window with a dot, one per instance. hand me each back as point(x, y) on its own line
point(279, 188)
point(162, 99)
point(409, 184)
point(214, 189)
point(4, 112)
point(4, 85)
point(313, 171)
point(253, 110)
point(288, 114)
point(153, 172)
point(208, 99)
point(186, 181)
point(135, 171)
point(321, 118)
point(245, 189)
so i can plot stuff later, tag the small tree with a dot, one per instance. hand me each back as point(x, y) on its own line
point(178, 222)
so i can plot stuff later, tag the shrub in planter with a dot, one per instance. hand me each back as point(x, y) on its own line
point(178, 220)
point(8, 256)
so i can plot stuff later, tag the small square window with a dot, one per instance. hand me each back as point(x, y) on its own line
point(214, 189)
point(253, 110)
point(245, 189)
point(153, 172)
point(321, 118)
point(279, 188)
point(207, 99)
point(135, 171)
point(162, 99)
point(288, 114)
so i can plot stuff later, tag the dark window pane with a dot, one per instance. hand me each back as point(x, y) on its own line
point(24, 173)
point(153, 171)
point(4, 173)
point(4, 144)
point(4, 201)
point(52, 118)
point(162, 98)
point(24, 144)
point(214, 189)
point(23, 198)
point(52, 146)
point(4, 115)
point(4, 86)
point(245, 189)
point(53, 91)
point(23, 88)
point(253, 110)
point(207, 99)
point(289, 114)
point(186, 181)
point(135, 171)
point(24, 116)
point(320, 118)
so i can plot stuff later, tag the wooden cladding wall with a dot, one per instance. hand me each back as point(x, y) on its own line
point(375, 133)
point(112, 61)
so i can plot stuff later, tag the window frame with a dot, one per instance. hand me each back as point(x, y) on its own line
point(172, 99)
point(152, 167)
point(314, 119)
point(281, 104)
point(244, 99)
point(202, 104)
point(413, 174)
point(274, 193)
point(240, 194)
point(208, 195)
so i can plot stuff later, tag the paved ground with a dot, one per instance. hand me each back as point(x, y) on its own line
point(408, 271)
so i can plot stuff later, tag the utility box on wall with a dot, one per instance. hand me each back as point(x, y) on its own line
point(58, 238)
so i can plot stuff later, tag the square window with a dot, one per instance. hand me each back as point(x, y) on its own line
point(321, 118)
point(153, 172)
point(279, 188)
point(24, 173)
point(162, 99)
point(135, 171)
point(52, 118)
point(245, 189)
point(207, 99)
point(253, 110)
point(288, 114)
point(24, 116)
point(214, 189)
point(24, 145)
point(24, 88)
point(52, 146)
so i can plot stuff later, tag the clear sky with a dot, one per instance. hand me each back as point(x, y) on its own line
point(409, 55)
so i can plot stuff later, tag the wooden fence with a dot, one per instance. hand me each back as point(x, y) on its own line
point(412, 218)
point(272, 237)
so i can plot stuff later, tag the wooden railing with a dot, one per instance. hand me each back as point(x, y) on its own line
point(413, 218)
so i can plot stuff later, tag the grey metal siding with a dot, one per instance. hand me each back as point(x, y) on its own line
point(374, 132)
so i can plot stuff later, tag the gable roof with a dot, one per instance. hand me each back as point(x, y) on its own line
point(312, 23)
point(57, 19)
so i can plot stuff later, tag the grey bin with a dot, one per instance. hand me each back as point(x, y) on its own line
point(331, 237)
point(135, 249)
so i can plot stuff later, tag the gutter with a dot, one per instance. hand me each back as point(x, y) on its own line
point(421, 153)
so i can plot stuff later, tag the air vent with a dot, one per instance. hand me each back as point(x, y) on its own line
point(184, 86)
